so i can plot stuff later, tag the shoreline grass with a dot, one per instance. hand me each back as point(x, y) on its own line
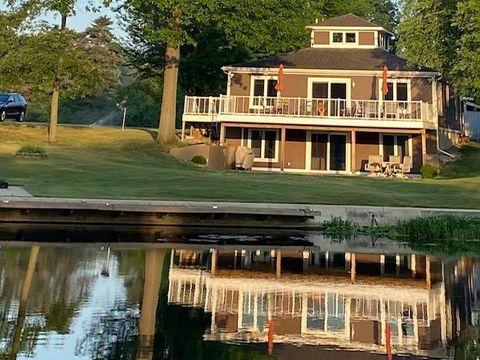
point(90, 162)
point(441, 234)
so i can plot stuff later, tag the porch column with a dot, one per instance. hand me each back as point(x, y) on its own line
point(353, 144)
point(283, 137)
point(213, 270)
point(428, 278)
point(222, 134)
point(278, 263)
point(353, 267)
point(424, 146)
point(413, 266)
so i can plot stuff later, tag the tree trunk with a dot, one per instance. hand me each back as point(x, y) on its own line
point(52, 126)
point(166, 128)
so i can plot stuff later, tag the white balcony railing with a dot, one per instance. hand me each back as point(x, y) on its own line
point(304, 107)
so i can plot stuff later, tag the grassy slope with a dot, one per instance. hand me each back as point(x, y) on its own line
point(109, 163)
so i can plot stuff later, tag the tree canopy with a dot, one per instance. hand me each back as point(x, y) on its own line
point(444, 35)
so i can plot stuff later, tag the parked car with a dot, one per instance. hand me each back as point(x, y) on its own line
point(12, 106)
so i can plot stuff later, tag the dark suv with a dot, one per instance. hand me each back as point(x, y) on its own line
point(12, 105)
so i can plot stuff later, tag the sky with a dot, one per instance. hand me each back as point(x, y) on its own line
point(82, 18)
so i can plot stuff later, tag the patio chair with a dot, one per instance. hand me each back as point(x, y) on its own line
point(374, 165)
point(400, 170)
point(394, 159)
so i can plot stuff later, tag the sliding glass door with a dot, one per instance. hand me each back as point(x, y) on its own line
point(328, 152)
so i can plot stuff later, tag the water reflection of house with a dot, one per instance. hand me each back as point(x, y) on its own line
point(323, 298)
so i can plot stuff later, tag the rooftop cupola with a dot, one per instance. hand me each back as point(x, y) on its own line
point(349, 31)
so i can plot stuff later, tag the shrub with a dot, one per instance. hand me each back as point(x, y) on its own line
point(32, 150)
point(428, 172)
point(199, 159)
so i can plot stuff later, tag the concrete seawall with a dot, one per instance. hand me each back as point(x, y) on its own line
point(191, 213)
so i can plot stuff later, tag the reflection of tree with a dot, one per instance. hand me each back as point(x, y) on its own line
point(53, 283)
point(468, 344)
point(127, 332)
point(22, 308)
point(154, 264)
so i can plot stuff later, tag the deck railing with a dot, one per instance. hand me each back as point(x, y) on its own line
point(305, 107)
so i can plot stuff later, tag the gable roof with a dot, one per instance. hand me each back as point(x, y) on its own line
point(336, 59)
point(348, 20)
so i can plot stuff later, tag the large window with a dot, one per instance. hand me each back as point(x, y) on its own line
point(262, 91)
point(395, 145)
point(264, 144)
point(398, 90)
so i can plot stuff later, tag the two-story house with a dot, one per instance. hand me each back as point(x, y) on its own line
point(326, 108)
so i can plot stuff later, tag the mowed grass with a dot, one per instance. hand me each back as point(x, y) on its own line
point(89, 162)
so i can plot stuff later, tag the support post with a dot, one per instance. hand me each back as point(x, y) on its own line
point(424, 146)
point(213, 270)
point(278, 263)
point(183, 131)
point(428, 279)
point(282, 147)
point(222, 133)
point(397, 265)
point(353, 267)
point(353, 145)
point(413, 266)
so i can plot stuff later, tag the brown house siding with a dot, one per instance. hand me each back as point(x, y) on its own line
point(448, 115)
point(240, 85)
point(431, 142)
point(421, 90)
point(366, 87)
point(295, 86)
point(366, 38)
point(321, 38)
point(367, 144)
point(295, 148)
point(417, 153)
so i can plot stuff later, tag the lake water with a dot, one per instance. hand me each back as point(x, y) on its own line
point(83, 293)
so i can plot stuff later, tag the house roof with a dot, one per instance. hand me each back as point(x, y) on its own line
point(336, 59)
point(348, 20)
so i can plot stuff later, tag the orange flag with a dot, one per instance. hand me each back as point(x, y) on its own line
point(280, 86)
point(384, 80)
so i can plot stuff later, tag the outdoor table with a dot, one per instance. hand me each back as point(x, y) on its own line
point(389, 168)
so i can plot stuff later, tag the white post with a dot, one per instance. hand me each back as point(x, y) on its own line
point(124, 117)
point(183, 130)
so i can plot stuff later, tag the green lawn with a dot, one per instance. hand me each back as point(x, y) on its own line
point(108, 163)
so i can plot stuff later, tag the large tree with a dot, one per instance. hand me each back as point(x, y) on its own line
point(444, 35)
point(50, 61)
point(64, 8)
point(200, 36)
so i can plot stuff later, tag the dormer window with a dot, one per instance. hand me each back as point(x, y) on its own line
point(340, 38)
point(351, 37)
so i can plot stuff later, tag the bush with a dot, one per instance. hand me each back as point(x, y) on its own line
point(428, 172)
point(199, 159)
point(32, 150)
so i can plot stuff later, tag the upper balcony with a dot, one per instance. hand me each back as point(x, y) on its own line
point(308, 111)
